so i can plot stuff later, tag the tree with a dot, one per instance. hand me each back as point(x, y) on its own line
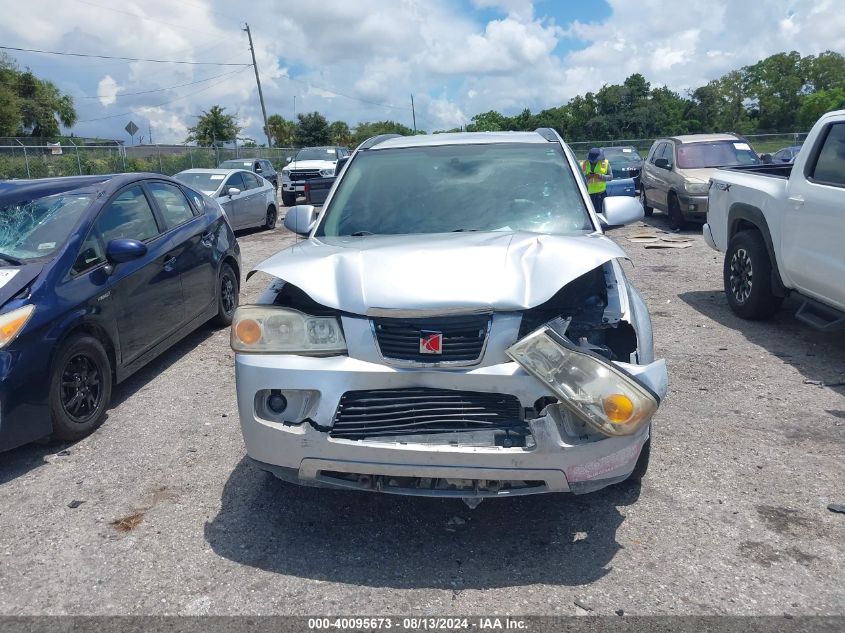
point(816, 104)
point(281, 131)
point(312, 130)
point(340, 133)
point(29, 105)
point(491, 121)
point(365, 130)
point(214, 128)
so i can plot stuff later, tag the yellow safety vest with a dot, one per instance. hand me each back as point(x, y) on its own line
point(601, 168)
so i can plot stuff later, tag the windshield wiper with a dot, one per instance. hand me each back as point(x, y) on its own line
point(361, 233)
point(11, 260)
point(463, 230)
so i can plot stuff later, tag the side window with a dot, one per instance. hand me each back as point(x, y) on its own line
point(830, 165)
point(128, 216)
point(90, 254)
point(235, 180)
point(666, 152)
point(196, 200)
point(257, 167)
point(268, 166)
point(655, 152)
point(172, 203)
point(251, 180)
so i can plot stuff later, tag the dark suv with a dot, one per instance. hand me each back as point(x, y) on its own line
point(260, 166)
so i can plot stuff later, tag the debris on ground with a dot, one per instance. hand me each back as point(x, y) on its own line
point(661, 239)
point(128, 523)
point(836, 507)
point(619, 612)
point(582, 605)
point(63, 453)
point(75, 504)
point(456, 520)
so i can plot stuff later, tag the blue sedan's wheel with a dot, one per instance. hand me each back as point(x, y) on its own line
point(80, 387)
point(227, 296)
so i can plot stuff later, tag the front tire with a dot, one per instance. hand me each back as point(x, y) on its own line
point(227, 296)
point(676, 218)
point(288, 198)
point(747, 275)
point(647, 210)
point(270, 222)
point(80, 388)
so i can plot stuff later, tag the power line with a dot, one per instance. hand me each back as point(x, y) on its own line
point(144, 17)
point(340, 94)
point(158, 105)
point(144, 92)
point(126, 59)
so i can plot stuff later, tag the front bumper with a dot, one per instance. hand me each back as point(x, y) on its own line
point(291, 186)
point(559, 460)
point(693, 207)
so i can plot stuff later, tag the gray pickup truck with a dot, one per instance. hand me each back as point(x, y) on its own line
point(317, 189)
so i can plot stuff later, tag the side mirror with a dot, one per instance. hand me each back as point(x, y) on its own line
point(300, 219)
point(121, 251)
point(766, 159)
point(289, 159)
point(258, 170)
point(620, 210)
point(340, 165)
point(232, 191)
point(663, 163)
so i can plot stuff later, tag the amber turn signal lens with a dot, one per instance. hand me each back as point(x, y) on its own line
point(248, 331)
point(618, 408)
point(12, 323)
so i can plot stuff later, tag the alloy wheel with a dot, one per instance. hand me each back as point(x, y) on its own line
point(82, 388)
point(741, 276)
point(227, 294)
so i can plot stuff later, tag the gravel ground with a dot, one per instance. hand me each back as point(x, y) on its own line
point(732, 518)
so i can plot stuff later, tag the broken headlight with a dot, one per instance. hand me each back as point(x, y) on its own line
point(268, 329)
point(606, 397)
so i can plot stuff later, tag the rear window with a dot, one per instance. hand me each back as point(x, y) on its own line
point(715, 154)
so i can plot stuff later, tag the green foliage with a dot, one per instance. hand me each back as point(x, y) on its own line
point(281, 131)
point(214, 128)
point(816, 104)
point(312, 130)
point(29, 103)
point(340, 133)
point(365, 130)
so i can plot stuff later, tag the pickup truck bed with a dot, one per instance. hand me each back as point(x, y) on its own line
point(774, 171)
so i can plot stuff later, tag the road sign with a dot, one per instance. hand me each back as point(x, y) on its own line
point(131, 128)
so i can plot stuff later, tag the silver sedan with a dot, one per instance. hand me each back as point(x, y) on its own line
point(247, 198)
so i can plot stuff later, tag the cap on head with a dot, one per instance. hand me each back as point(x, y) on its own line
point(594, 155)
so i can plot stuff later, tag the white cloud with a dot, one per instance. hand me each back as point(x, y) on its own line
point(379, 52)
point(107, 90)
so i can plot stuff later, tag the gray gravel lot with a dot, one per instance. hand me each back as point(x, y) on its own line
point(732, 519)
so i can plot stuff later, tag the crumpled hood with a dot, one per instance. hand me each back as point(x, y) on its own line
point(441, 272)
point(14, 279)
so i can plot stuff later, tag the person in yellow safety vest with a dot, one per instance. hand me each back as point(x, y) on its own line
point(598, 173)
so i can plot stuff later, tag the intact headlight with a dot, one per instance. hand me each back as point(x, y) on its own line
point(697, 187)
point(607, 398)
point(268, 329)
point(327, 173)
point(286, 173)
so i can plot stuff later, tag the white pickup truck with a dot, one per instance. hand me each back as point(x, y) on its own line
point(782, 229)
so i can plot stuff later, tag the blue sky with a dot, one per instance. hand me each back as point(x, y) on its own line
point(360, 61)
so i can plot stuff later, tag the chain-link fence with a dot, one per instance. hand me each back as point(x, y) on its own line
point(24, 160)
point(762, 143)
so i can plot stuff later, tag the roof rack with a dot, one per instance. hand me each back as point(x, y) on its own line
point(547, 133)
point(375, 140)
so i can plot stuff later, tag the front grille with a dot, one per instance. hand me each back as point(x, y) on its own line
point(463, 337)
point(304, 174)
point(383, 412)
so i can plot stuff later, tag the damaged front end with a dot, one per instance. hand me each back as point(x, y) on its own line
point(527, 390)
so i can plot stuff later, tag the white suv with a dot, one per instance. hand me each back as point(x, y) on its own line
point(309, 163)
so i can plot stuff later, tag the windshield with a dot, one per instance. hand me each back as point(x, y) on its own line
point(622, 156)
point(236, 164)
point(496, 187)
point(317, 153)
point(201, 181)
point(36, 229)
point(716, 154)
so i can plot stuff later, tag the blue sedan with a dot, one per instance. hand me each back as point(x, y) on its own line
point(98, 276)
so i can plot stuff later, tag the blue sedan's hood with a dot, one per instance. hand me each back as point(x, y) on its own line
point(13, 279)
point(440, 272)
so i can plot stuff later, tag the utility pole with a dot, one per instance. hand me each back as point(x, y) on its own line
point(150, 130)
point(294, 108)
point(414, 114)
point(258, 81)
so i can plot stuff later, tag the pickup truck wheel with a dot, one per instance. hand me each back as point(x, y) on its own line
point(647, 210)
point(288, 199)
point(80, 388)
point(748, 277)
point(270, 222)
point(676, 218)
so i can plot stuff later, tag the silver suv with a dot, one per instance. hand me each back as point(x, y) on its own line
point(676, 173)
point(455, 325)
